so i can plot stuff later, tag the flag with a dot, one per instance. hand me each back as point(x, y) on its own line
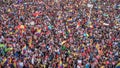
point(90, 5)
point(22, 27)
point(2, 45)
point(56, 1)
point(97, 46)
point(118, 65)
point(70, 10)
point(43, 45)
point(9, 10)
point(38, 30)
point(89, 23)
point(63, 42)
point(86, 35)
point(106, 24)
point(91, 26)
point(4, 61)
point(32, 23)
point(50, 27)
point(78, 24)
point(8, 49)
point(59, 17)
point(69, 52)
point(24, 48)
point(69, 30)
point(60, 64)
point(69, 19)
point(36, 14)
point(106, 15)
point(30, 42)
point(19, 1)
point(10, 60)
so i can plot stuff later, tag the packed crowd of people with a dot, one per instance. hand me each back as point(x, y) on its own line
point(59, 33)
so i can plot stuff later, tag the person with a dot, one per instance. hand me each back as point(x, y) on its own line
point(60, 33)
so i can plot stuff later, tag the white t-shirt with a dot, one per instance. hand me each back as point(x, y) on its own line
point(79, 61)
point(21, 64)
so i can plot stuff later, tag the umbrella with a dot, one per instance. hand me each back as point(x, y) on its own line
point(2, 45)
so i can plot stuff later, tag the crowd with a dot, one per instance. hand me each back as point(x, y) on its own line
point(60, 34)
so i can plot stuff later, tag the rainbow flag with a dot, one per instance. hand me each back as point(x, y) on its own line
point(60, 64)
point(24, 48)
point(118, 65)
